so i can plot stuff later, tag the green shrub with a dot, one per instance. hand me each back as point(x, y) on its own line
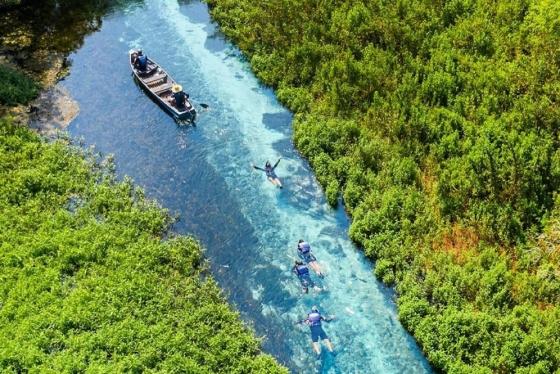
point(439, 124)
point(87, 282)
point(16, 88)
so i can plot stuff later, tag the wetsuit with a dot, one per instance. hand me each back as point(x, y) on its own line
point(304, 250)
point(302, 273)
point(313, 320)
point(269, 170)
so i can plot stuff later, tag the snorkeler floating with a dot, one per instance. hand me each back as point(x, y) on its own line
point(302, 272)
point(304, 251)
point(270, 174)
point(313, 320)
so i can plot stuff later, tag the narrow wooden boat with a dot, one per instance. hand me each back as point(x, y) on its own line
point(159, 84)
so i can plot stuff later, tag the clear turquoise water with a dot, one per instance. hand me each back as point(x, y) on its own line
point(203, 174)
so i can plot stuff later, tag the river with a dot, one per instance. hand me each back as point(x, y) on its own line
point(202, 173)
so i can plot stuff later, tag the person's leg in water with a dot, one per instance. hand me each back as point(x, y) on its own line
point(275, 181)
point(304, 283)
point(313, 264)
point(273, 178)
point(310, 260)
point(315, 334)
point(323, 335)
point(316, 347)
point(329, 344)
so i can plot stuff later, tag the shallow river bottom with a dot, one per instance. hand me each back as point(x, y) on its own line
point(203, 174)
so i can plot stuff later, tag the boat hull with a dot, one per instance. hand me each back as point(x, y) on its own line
point(157, 83)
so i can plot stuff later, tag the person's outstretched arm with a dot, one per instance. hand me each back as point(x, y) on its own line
point(276, 164)
point(258, 168)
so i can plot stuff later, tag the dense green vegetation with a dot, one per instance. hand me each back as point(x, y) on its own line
point(9, 3)
point(38, 35)
point(51, 25)
point(16, 88)
point(87, 282)
point(438, 122)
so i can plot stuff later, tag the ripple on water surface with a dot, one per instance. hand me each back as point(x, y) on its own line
point(203, 174)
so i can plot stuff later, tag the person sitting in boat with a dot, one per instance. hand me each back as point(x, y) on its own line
point(141, 61)
point(179, 96)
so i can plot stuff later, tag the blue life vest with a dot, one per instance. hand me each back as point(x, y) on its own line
point(314, 319)
point(304, 247)
point(302, 270)
point(142, 61)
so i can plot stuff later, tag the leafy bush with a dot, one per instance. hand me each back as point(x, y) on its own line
point(88, 284)
point(16, 87)
point(439, 123)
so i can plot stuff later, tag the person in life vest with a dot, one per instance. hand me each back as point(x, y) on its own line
point(269, 171)
point(304, 251)
point(302, 272)
point(313, 320)
point(179, 96)
point(141, 61)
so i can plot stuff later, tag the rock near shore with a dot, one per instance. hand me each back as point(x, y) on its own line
point(52, 111)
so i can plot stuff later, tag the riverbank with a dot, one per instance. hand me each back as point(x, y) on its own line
point(203, 175)
point(89, 282)
point(438, 127)
point(35, 40)
point(30, 96)
point(44, 107)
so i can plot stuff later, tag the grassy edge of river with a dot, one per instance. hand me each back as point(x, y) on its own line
point(480, 293)
point(91, 276)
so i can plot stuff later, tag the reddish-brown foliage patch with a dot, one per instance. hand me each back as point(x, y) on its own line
point(457, 241)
